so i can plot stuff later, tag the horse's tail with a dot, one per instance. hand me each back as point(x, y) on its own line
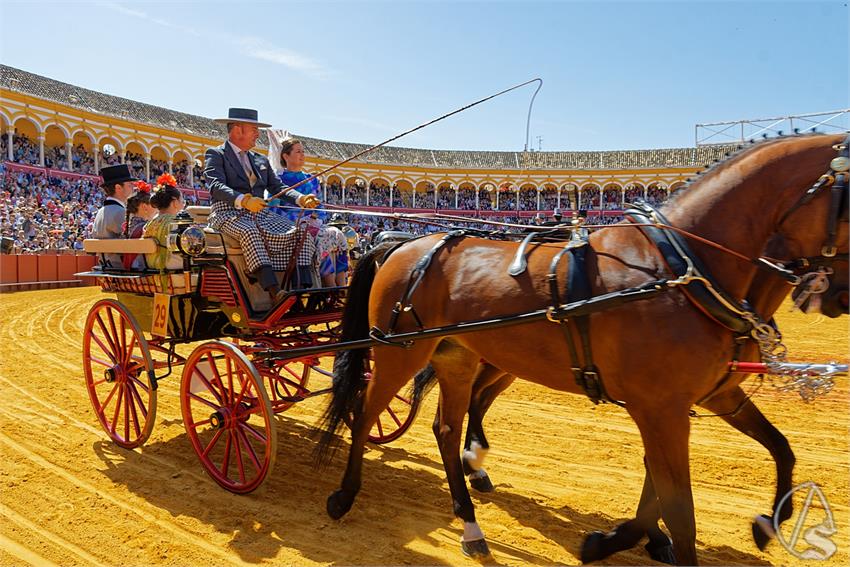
point(349, 366)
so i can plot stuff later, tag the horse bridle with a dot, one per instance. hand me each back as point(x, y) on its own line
point(836, 179)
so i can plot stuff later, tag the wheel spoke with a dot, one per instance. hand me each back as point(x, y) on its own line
point(114, 335)
point(380, 427)
point(112, 351)
point(222, 398)
point(213, 440)
point(101, 362)
point(203, 401)
point(251, 451)
point(138, 399)
point(394, 416)
point(106, 401)
point(126, 413)
point(135, 380)
point(259, 436)
point(225, 465)
point(408, 401)
point(229, 380)
point(124, 349)
point(128, 359)
point(246, 385)
point(117, 409)
point(239, 464)
point(209, 386)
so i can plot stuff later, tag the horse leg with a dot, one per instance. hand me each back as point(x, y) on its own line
point(665, 440)
point(391, 370)
point(599, 545)
point(451, 366)
point(488, 383)
point(749, 420)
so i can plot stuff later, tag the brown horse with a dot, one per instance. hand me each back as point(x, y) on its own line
point(766, 294)
point(740, 204)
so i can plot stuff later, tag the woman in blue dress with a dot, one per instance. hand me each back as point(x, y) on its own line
point(292, 158)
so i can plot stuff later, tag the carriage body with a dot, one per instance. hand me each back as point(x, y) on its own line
point(235, 380)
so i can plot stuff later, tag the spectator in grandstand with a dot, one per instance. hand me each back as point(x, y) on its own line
point(168, 201)
point(118, 186)
point(292, 158)
point(236, 178)
point(333, 253)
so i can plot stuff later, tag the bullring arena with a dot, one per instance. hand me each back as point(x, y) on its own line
point(562, 467)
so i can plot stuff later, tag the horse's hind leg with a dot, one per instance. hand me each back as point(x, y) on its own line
point(392, 368)
point(749, 420)
point(452, 366)
point(488, 383)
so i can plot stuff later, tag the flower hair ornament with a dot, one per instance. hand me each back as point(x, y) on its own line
point(142, 186)
point(164, 180)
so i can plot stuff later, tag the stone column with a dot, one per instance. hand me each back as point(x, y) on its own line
point(68, 151)
point(10, 143)
point(457, 198)
point(147, 167)
point(368, 191)
point(95, 151)
point(414, 197)
point(41, 151)
point(190, 170)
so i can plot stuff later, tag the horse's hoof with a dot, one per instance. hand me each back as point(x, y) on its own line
point(763, 531)
point(481, 483)
point(337, 506)
point(591, 547)
point(661, 550)
point(476, 548)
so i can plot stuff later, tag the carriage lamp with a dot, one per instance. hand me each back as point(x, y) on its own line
point(186, 237)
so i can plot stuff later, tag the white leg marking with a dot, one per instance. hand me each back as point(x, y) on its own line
point(474, 456)
point(471, 532)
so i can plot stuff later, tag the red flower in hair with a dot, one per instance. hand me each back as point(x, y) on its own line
point(166, 179)
point(142, 186)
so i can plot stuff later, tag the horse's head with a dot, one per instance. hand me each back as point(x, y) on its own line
point(815, 230)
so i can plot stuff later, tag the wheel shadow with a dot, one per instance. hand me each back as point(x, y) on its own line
point(288, 510)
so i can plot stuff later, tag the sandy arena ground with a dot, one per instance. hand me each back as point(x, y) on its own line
point(561, 467)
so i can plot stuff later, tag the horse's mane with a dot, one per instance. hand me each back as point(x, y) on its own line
point(712, 169)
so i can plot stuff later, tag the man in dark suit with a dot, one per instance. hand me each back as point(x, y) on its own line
point(237, 179)
point(109, 221)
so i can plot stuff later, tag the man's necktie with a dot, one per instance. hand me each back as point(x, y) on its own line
point(249, 171)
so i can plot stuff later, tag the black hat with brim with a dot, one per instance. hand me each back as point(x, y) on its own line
point(114, 174)
point(245, 115)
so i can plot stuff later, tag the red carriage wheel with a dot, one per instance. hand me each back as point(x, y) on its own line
point(227, 416)
point(119, 373)
point(396, 419)
point(286, 381)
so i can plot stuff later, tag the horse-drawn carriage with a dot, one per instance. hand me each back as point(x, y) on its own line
point(229, 388)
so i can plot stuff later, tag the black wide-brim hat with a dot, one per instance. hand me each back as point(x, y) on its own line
point(246, 115)
point(113, 174)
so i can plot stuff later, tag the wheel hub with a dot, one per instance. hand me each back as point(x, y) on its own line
point(111, 374)
point(217, 420)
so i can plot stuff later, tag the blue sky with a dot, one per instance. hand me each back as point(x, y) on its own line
point(617, 75)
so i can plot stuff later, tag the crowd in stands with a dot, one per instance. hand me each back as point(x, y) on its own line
point(41, 213)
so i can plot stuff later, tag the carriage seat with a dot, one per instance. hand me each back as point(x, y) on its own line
point(218, 243)
point(105, 247)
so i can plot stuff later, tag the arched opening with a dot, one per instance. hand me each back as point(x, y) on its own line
point(612, 197)
point(355, 191)
point(55, 150)
point(656, 193)
point(569, 197)
point(379, 192)
point(82, 152)
point(198, 172)
point(633, 191)
point(110, 151)
point(676, 187)
point(466, 192)
point(423, 197)
point(160, 157)
point(588, 197)
point(506, 196)
point(486, 196)
point(4, 147)
point(528, 197)
point(333, 190)
point(136, 158)
point(180, 168)
point(402, 194)
point(446, 195)
point(548, 196)
point(25, 142)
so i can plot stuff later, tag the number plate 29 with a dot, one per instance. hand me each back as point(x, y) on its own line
point(161, 303)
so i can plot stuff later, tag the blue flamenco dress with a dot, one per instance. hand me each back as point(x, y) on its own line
point(290, 178)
